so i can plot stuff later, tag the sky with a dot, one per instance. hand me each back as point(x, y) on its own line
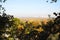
point(31, 8)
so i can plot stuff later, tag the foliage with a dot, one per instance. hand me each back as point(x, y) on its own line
point(52, 1)
point(12, 28)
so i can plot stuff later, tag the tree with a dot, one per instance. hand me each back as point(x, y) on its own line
point(8, 24)
point(52, 1)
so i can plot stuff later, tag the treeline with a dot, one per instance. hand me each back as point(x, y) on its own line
point(12, 28)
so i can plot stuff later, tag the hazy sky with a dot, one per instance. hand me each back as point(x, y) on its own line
point(31, 8)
